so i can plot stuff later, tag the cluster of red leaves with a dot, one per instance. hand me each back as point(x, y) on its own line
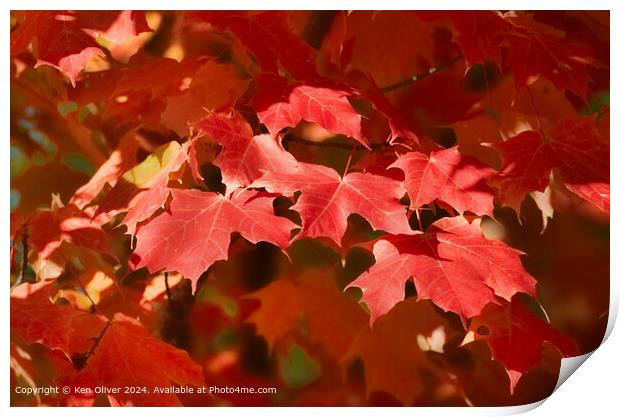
point(277, 127)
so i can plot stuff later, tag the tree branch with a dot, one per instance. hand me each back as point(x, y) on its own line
point(419, 77)
point(168, 292)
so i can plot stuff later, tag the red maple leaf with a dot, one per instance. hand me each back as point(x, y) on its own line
point(244, 157)
point(50, 228)
point(449, 176)
point(142, 197)
point(537, 49)
point(395, 360)
point(225, 134)
point(279, 106)
point(452, 264)
point(573, 147)
point(119, 161)
point(56, 326)
point(113, 25)
point(61, 43)
point(120, 359)
point(195, 231)
point(333, 320)
point(267, 35)
point(399, 127)
point(478, 33)
point(327, 200)
point(516, 335)
point(102, 352)
point(139, 92)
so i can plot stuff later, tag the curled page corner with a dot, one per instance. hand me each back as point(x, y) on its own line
point(569, 365)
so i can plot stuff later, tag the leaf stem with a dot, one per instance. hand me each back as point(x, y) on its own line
point(98, 338)
point(417, 219)
point(346, 168)
point(80, 359)
point(77, 278)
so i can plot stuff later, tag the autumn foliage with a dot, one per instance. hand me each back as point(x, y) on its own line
point(356, 208)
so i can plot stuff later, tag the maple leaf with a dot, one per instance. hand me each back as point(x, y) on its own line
point(378, 161)
point(484, 381)
point(537, 49)
point(127, 356)
point(119, 161)
point(332, 43)
point(279, 106)
point(327, 200)
point(505, 112)
point(452, 264)
point(50, 228)
point(61, 43)
point(512, 89)
point(213, 86)
point(60, 327)
point(143, 189)
point(449, 176)
point(287, 303)
point(139, 92)
point(478, 33)
point(115, 26)
point(195, 231)
point(116, 353)
point(394, 351)
point(369, 46)
point(267, 35)
point(573, 147)
point(516, 335)
point(159, 77)
point(399, 127)
point(244, 158)
point(332, 319)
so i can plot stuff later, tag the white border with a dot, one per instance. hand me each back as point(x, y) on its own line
point(593, 389)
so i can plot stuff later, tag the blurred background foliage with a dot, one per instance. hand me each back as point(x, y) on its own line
point(59, 138)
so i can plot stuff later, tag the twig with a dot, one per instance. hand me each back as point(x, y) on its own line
point(418, 77)
point(168, 292)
